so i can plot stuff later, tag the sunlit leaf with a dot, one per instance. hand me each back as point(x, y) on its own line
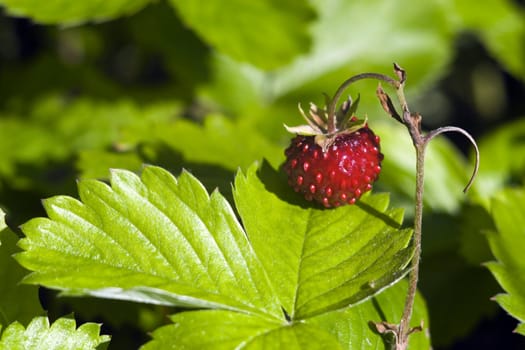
point(265, 33)
point(320, 260)
point(151, 239)
point(347, 329)
point(211, 151)
point(350, 37)
point(164, 240)
point(62, 334)
point(231, 330)
point(220, 142)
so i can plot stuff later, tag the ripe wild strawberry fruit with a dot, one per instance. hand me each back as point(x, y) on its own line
point(333, 162)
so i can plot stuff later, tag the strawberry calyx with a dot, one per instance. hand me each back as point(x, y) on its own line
point(326, 128)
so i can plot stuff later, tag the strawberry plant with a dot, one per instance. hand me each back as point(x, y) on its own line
point(152, 199)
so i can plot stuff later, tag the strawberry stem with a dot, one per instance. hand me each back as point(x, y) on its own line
point(412, 122)
point(332, 115)
point(420, 141)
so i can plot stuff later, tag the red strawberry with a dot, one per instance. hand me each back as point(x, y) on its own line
point(333, 168)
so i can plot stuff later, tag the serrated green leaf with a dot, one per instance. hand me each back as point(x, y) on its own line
point(346, 329)
point(320, 260)
point(220, 329)
point(165, 240)
point(64, 12)
point(17, 302)
point(151, 239)
point(507, 245)
point(209, 329)
point(229, 27)
point(61, 335)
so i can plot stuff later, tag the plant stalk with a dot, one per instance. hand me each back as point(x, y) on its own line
point(413, 123)
point(332, 122)
point(404, 325)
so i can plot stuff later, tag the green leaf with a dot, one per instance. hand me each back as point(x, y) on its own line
point(346, 329)
point(17, 302)
point(351, 37)
point(163, 240)
point(348, 37)
point(320, 260)
point(95, 163)
point(220, 141)
point(507, 245)
point(231, 330)
point(211, 151)
point(251, 31)
point(62, 334)
point(64, 12)
point(150, 239)
point(54, 130)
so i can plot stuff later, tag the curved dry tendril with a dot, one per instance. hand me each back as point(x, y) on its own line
point(445, 129)
point(333, 103)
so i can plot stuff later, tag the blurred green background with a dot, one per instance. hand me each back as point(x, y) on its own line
point(207, 86)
